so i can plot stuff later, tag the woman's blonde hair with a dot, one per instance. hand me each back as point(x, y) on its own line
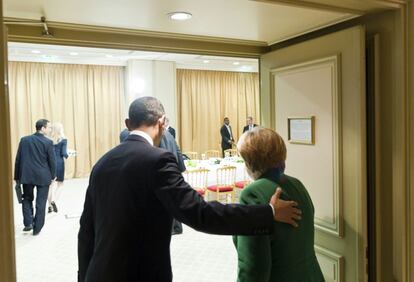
point(57, 133)
point(261, 149)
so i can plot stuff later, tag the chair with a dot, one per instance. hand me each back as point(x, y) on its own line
point(222, 191)
point(212, 154)
point(231, 152)
point(239, 186)
point(197, 179)
point(191, 155)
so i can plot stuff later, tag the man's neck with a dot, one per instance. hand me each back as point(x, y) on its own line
point(144, 132)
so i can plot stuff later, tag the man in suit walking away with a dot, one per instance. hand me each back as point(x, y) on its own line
point(134, 192)
point(35, 166)
point(250, 125)
point(226, 136)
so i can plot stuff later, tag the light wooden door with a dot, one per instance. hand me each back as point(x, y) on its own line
point(314, 91)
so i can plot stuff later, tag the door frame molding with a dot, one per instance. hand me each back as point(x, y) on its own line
point(7, 241)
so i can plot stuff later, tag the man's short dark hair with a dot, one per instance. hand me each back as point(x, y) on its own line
point(41, 123)
point(145, 111)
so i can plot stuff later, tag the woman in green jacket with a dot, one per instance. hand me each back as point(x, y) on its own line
point(288, 254)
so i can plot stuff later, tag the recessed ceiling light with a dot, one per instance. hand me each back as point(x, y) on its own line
point(206, 61)
point(236, 63)
point(49, 56)
point(180, 16)
point(73, 53)
point(36, 52)
point(109, 56)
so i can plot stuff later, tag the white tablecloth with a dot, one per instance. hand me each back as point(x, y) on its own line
point(212, 167)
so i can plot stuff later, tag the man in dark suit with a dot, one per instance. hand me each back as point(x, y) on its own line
point(168, 143)
point(134, 192)
point(35, 166)
point(123, 135)
point(250, 125)
point(226, 136)
point(169, 128)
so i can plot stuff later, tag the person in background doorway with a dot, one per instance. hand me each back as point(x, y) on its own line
point(60, 145)
point(226, 133)
point(249, 125)
point(288, 255)
point(35, 166)
point(169, 128)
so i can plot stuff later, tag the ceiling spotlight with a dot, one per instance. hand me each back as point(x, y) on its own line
point(180, 16)
point(236, 63)
point(73, 53)
point(206, 61)
point(109, 56)
point(36, 52)
point(49, 57)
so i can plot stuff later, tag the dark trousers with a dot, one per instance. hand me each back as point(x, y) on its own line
point(225, 146)
point(27, 204)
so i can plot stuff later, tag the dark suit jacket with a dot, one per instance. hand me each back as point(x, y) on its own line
point(168, 143)
point(246, 128)
point(171, 131)
point(35, 161)
point(134, 192)
point(225, 137)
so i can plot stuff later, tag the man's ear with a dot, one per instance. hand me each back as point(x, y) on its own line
point(128, 124)
point(162, 120)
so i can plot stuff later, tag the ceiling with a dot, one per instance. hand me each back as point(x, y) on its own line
point(264, 22)
point(98, 56)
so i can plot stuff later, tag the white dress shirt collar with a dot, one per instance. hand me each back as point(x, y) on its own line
point(228, 128)
point(144, 135)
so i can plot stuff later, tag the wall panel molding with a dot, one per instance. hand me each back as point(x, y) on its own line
point(332, 223)
point(332, 264)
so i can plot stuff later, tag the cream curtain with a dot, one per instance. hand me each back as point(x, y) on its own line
point(206, 97)
point(87, 99)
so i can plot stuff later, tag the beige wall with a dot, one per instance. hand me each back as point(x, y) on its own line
point(153, 78)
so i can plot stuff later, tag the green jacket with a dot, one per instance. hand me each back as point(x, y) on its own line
point(288, 254)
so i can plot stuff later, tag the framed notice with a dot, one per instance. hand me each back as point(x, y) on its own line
point(301, 130)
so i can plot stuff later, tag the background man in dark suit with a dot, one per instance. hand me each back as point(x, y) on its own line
point(250, 125)
point(168, 143)
point(169, 128)
point(123, 135)
point(134, 192)
point(226, 136)
point(35, 166)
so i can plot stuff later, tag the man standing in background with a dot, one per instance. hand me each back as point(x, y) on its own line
point(169, 128)
point(250, 125)
point(35, 167)
point(123, 135)
point(226, 136)
point(168, 143)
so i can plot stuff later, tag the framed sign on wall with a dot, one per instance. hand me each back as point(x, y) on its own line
point(301, 130)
